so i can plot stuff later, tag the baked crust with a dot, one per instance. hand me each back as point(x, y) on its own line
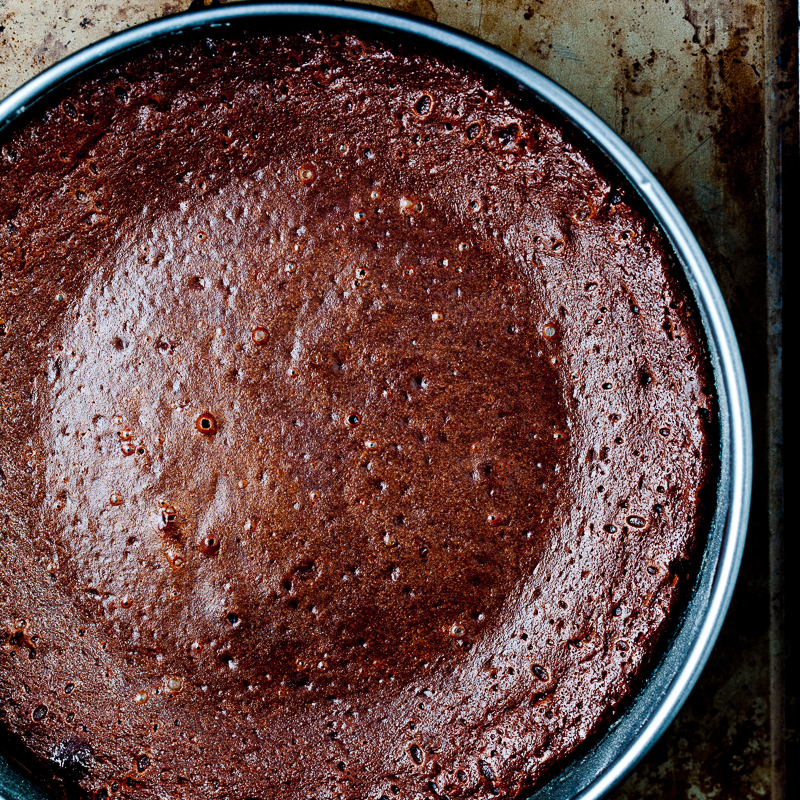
point(353, 429)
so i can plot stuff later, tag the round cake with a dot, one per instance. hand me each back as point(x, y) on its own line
point(354, 429)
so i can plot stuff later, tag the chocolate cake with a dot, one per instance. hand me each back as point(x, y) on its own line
point(353, 431)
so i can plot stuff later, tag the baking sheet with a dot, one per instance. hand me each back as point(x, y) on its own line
point(690, 85)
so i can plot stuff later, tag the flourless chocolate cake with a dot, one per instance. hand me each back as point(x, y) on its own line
point(353, 431)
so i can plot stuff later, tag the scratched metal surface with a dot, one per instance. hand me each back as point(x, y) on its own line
point(683, 81)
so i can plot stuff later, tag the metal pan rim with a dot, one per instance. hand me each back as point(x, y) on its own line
point(593, 774)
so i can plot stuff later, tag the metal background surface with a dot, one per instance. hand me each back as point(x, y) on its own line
point(694, 87)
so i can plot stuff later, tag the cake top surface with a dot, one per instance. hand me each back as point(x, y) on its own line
point(354, 426)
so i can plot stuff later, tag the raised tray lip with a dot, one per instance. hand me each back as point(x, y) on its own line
point(592, 775)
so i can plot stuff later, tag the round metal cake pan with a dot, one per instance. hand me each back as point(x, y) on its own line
point(600, 765)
